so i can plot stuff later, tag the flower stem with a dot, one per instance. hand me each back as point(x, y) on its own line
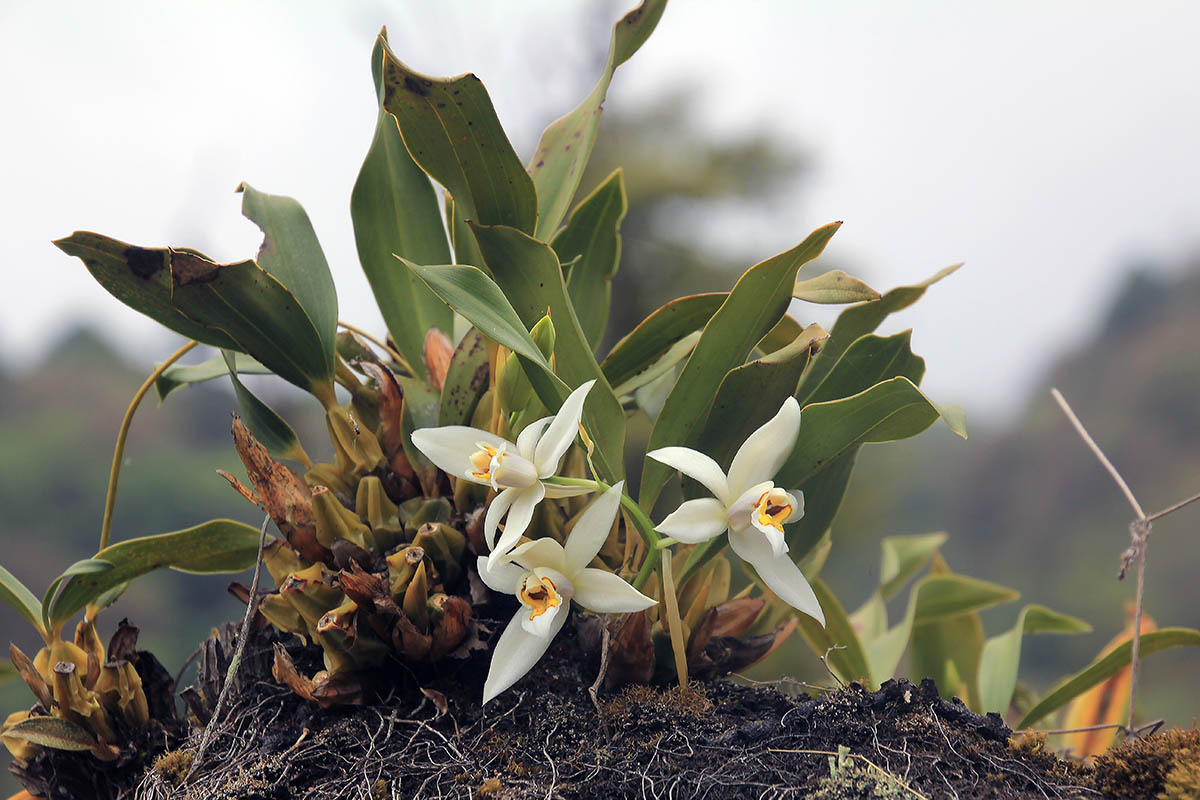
point(644, 526)
point(114, 474)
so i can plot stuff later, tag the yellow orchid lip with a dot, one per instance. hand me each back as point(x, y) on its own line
point(483, 460)
point(539, 595)
point(773, 509)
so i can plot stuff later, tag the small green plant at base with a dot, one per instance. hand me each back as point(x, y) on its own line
point(851, 777)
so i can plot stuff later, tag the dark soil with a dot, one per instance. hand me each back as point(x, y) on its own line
point(428, 737)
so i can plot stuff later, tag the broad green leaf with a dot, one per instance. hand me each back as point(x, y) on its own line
point(53, 732)
point(1002, 654)
point(660, 368)
point(861, 319)
point(891, 410)
point(219, 545)
point(869, 360)
point(474, 295)
point(783, 334)
point(591, 240)
point(642, 346)
point(88, 566)
point(751, 394)
point(267, 426)
point(291, 253)
point(466, 380)
point(903, 558)
point(421, 409)
point(832, 288)
point(394, 209)
point(139, 277)
point(20, 599)
point(823, 494)
point(949, 651)
point(177, 376)
point(870, 620)
point(565, 146)
point(466, 251)
point(260, 315)
point(757, 303)
point(451, 131)
point(528, 273)
point(849, 660)
point(947, 596)
point(1105, 667)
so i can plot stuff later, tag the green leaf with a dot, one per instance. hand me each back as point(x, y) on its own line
point(87, 566)
point(823, 494)
point(849, 660)
point(20, 599)
point(949, 651)
point(1002, 654)
point(592, 240)
point(528, 273)
point(659, 369)
point(642, 346)
point(140, 278)
point(757, 303)
point(861, 319)
point(474, 295)
point(421, 410)
point(946, 596)
point(466, 380)
point(566, 145)
point(783, 334)
point(832, 288)
point(888, 411)
point(219, 545)
point(751, 394)
point(179, 375)
point(903, 558)
point(395, 210)
point(869, 360)
point(267, 426)
point(451, 130)
point(260, 315)
point(53, 732)
point(1105, 667)
point(291, 253)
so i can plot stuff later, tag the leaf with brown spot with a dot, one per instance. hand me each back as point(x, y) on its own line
point(285, 494)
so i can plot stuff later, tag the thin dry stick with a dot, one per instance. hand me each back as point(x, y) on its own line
point(1138, 531)
point(251, 607)
point(674, 622)
point(391, 351)
point(1172, 509)
point(594, 689)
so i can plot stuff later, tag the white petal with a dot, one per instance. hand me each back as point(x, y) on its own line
point(561, 432)
point(591, 529)
point(554, 490)
point(520, 513)
point(515, 653)
point(495, 513)
point(695, 521)
point(501, 577)
point(696, 465)
point(606, 593)
point(540, 554)
point(451, 446)
point(763, 453)
point(780, 574)
point(527, 441)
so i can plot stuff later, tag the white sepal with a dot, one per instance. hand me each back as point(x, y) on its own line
point(695, 521)
point(696, 465)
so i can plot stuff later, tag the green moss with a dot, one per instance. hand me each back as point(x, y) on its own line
point(852, 777)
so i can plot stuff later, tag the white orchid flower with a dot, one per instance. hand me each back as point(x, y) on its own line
point(748, 504)
point(546, 576)
point(514, 470)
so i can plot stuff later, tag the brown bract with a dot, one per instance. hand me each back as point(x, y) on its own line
point(283, 492)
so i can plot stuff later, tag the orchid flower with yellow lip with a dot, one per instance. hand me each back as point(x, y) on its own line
point(516, 471)
point(546, 576)
point(748, 504)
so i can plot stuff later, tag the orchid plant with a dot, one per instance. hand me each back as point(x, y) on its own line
point(467, 438)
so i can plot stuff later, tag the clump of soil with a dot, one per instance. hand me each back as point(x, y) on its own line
point(427, 736)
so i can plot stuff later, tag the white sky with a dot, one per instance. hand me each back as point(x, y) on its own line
point(1045, 144)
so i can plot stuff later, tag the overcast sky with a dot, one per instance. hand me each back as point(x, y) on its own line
point(1046, 144)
